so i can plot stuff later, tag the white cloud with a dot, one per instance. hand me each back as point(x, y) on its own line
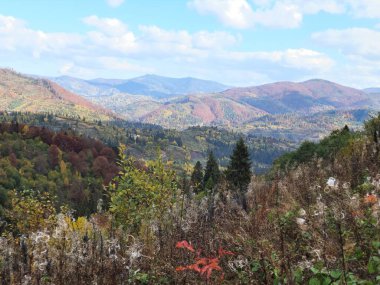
point(184, 42)
point(109, 26)
point(234, 13)
point(307, 59)
point(115, 3)
point(300, 59)
point(241, 14)
point(244, 14)
point(281, 15)
point(314, 6)
point(354, 41)
point(15, 36)
point(364, 8)
point(360, 48)
point(110, 48)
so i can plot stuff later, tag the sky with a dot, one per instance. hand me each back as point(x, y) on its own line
point(236, 42)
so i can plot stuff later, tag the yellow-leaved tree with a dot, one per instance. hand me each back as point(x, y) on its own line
point(141, 194)
point(31, 210)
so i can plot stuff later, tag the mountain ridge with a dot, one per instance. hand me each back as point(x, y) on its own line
point(241, 105)
point(19, 92)
point(155, 86)
point(281, 109)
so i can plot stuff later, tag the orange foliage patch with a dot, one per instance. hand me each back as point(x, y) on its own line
point(205, 265)
point(370, 199)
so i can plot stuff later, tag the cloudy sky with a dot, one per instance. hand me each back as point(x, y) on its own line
point(237, 42)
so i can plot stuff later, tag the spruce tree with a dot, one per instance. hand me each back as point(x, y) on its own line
point(212, 173)
point(239, 169)
point(197, 178)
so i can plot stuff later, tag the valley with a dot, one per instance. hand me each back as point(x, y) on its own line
point(190, 142)
point(243, 167)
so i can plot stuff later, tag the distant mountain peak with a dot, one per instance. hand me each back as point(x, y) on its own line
point(319, 80)
point(155, 86)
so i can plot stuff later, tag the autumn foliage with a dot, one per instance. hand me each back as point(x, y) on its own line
point(204, 266)
point(314, 219)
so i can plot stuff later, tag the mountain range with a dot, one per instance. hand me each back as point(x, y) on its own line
point(239, 106)
point(154, 86)
point(296, 111)
point(290, 110)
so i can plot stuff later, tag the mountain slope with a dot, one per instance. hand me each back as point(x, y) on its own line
point(202, 110)
point(281, 109)
point(25, 94)
point(309, 96)
point(296, 111)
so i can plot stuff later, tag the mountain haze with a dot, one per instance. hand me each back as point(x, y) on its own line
point(154, 86)
point(373, 90)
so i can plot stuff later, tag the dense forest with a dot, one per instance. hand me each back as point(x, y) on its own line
point(184, 148)
point(313, 219)
point(74, 169)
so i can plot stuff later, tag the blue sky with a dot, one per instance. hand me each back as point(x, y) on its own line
point(237, 42)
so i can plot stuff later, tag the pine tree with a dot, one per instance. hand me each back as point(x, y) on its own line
point(239, 169)
point(197, 178)
point(212, 173)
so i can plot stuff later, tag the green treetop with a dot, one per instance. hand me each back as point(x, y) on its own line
point(197, 178)
point(239, 169)
point(212, 173)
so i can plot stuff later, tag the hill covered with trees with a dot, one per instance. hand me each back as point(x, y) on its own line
point(314, 219)
point(143, 141)
point(71, 168)
point(21, 93)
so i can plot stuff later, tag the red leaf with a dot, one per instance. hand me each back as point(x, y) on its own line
point(185, 244)
point(224, 252)
point(181, 268)
point(213, 264)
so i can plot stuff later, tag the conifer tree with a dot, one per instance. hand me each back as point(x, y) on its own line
point(197, 178)
point(239, 169)
point(212, 173)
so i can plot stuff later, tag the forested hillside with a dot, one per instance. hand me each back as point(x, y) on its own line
point(314, 219)
point(73, 169)
point(21, 93)
point(144, 140)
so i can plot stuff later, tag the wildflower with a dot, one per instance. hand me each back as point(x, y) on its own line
point(300, 221)
point(331, 182)
point(238, 264)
